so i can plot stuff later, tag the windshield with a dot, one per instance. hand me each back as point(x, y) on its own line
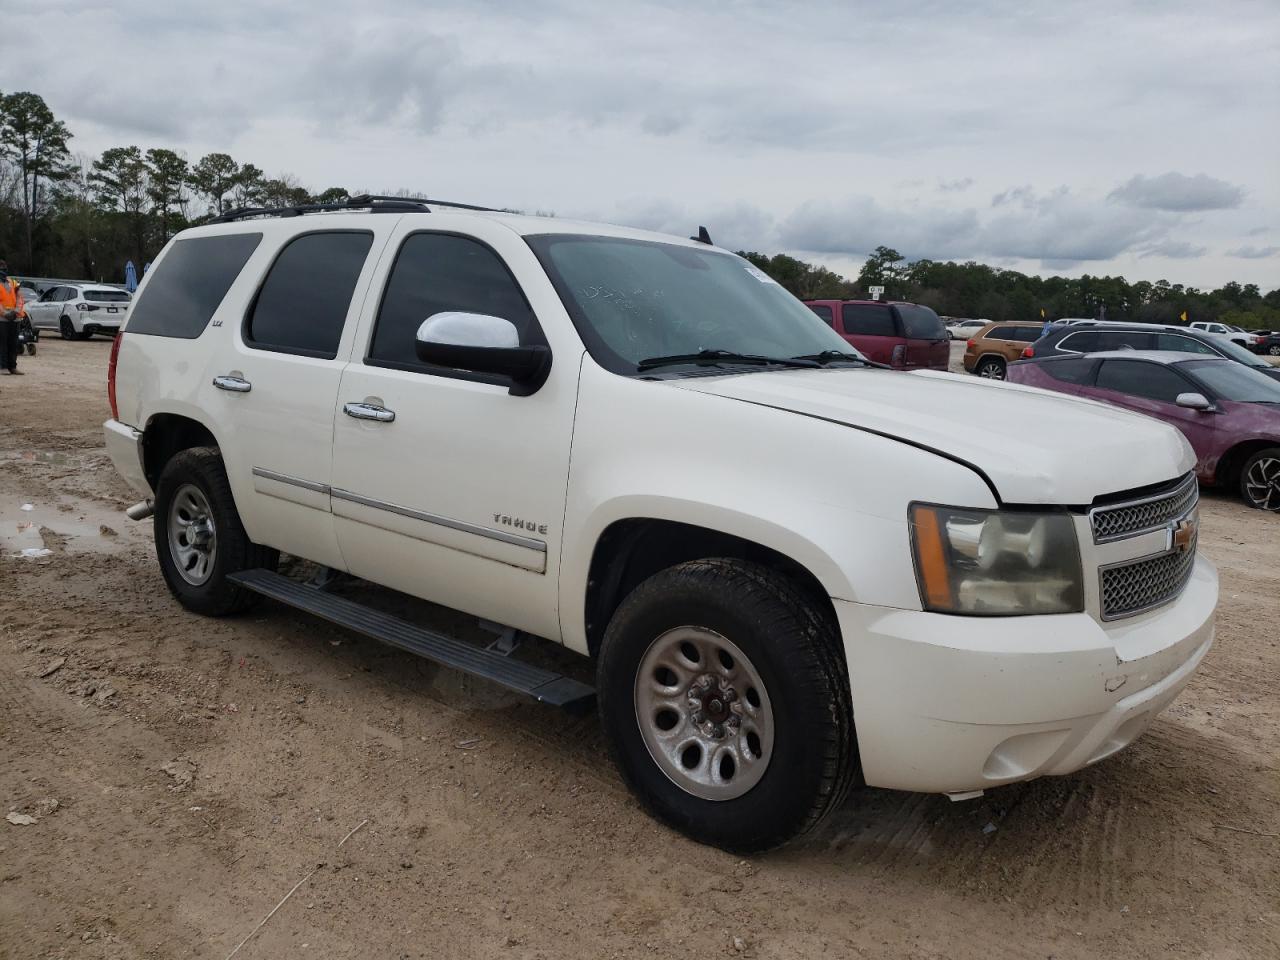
point(636, 299)
point(1230, 381)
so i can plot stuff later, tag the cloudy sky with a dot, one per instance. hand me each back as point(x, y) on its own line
point(1072, 137)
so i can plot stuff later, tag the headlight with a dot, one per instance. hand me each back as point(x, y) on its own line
point(996, 562)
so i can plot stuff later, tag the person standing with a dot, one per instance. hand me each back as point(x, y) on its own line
point(11, 307)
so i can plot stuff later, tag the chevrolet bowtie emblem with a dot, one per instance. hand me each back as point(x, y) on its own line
point(1184, 534)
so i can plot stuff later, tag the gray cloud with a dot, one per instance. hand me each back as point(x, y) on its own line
point(1253, 253)
point(1174, 250)
point(1178, 192)
point(955, 186)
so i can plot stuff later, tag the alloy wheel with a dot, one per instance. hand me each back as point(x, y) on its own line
point(704, 713)
point(1262, 483)
point(193, 538)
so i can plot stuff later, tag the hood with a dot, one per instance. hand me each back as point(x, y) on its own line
point(1034, 446)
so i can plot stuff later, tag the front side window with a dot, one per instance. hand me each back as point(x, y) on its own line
point(1139, 379)
point(861, 319)
point(631, 300)
point(1176, 341)
point(186, 287)
point(1231, 381)
point(302, 304)
point(440, 272)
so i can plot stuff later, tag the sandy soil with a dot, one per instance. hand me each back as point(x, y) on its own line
point(202, 768)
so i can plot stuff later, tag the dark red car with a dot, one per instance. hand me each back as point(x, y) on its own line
point(1230, 413)
point(906, 336)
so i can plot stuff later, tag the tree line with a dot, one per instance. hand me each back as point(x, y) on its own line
point(73, 215)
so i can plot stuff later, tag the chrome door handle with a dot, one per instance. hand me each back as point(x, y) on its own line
point(369, 411)
point(234, 384)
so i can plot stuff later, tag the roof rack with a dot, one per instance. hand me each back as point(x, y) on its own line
point(374, 203)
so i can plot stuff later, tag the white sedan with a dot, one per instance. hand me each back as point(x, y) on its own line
point(78, 311)
point(964, 329)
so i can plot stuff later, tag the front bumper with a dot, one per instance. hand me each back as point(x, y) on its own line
point(952, 704)
point(124, 447)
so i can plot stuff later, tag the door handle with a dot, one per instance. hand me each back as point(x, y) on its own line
point(369, 411)
point(234, 384)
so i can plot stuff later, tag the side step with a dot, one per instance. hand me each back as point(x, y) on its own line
point(542, 685)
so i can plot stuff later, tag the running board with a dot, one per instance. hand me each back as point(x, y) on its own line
point(542, 685)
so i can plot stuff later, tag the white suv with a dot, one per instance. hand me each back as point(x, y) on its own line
point(795, 571)
point(78, 311)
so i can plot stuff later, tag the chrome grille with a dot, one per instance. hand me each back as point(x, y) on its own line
point(1130, 588)
point(1140, 516)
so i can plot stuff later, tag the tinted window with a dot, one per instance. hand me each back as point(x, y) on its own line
point(1231, 381)
point(1001, 333)
point(921, 323)
point(52, 295)
point(107, 296)
point(867, 320)
point(1069, 371)
point(1119, 339)
point(189, 284)
point(825, 313)
point(1082, 342)
point(1139, 379)
point(1176, 341)
point(436, 272)
point(303, 303)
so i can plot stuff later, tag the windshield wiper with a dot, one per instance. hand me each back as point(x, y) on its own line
point(723, 356)
point(839, 356)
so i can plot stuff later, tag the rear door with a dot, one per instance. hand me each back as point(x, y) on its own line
point(1152, 388)
point(873, 330)
point(926, 340)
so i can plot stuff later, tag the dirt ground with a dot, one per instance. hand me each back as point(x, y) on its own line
point(185, 774)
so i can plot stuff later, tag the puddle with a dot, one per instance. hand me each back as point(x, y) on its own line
point(81, 527)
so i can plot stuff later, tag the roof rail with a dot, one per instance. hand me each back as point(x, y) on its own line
point(364, 201)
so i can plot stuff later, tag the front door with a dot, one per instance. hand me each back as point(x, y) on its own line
point(445, 485)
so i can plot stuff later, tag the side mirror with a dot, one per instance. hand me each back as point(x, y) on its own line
point(480, 343)
point(1194, 401)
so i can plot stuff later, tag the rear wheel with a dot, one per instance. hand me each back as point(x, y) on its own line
point(726, 703)
point(992, 368)
point(199, 537)
point(1274, 350)
point(66, 328)
point(1260, 480)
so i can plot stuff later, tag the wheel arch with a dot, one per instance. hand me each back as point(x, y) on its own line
point(630, 550)
point(167, 434)
point(1227, 474)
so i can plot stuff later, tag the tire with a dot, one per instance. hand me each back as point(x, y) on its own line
point(1260, 480)
point(31, 349)
point(193, 487)
point(990, 368)
point(66, 328)
point(1274, 350)
point(798, 723)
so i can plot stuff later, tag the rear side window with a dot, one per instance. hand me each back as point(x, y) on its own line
point(189, 284)
point(1119, 339)
point(859, 318)
point(1001, 333)
point(1139, 379)
point(302, 305)
point(824, 312)
point(921, 323)
point(1069, 371)
point(1029, 334)
point(437, 272)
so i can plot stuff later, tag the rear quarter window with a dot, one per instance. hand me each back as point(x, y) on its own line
point(189, 284)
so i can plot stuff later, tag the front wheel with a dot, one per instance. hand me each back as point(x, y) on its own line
point(991, 368)
point(1260, 480)
point(725, 699)
point(199, 537)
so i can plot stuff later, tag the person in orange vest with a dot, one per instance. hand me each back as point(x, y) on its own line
point(11, 308)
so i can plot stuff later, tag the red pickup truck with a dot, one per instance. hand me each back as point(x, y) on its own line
point(906, 336)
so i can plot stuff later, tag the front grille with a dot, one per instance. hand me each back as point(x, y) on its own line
point(1140, 516)
point(1130, 588)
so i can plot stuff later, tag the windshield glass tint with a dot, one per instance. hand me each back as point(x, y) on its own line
point(636, 299)
point(1230, 381)
point(921, 323)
